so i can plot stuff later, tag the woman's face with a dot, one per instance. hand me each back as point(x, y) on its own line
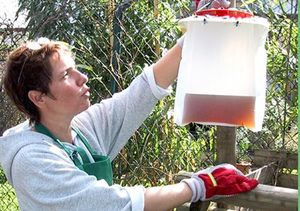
point(69, 94)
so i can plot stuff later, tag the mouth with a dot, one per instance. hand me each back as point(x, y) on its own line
point(86, 92)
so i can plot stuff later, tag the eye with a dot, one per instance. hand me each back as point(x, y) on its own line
point(66, 74)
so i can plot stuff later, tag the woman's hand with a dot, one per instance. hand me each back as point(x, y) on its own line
point(219, 181)
point(213, 4)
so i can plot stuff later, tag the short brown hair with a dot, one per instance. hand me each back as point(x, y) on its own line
point(28, 68)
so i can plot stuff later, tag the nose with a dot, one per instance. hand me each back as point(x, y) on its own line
point(81, 79)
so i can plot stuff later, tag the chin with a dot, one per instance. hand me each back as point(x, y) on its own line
point(84, 107)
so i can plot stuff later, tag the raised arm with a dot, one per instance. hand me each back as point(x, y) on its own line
point(166, 69)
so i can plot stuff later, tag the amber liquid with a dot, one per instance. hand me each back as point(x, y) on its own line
point(234, 110)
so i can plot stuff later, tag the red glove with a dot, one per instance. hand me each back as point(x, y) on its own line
point(219, 181)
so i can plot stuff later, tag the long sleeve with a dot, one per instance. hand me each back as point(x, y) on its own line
point(109, 124)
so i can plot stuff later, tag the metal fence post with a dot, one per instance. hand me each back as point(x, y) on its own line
point(118, 18)
point(157, 34)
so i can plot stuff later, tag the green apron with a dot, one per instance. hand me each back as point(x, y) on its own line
point(101, 169)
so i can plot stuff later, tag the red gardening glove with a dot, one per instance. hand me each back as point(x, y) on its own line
point(219, 181)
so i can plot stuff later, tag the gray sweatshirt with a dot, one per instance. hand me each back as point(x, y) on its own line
point(45, 178)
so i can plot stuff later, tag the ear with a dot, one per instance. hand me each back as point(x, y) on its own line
point(36, 97)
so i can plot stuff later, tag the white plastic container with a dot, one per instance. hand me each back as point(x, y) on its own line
point(222, 75)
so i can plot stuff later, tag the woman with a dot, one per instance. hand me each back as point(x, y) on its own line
point(60, 159)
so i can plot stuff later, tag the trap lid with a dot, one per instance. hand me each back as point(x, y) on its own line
point(232, 13)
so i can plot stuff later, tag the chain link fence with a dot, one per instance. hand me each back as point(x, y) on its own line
point(114, 40)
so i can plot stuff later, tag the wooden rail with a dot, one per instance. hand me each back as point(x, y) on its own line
point(266, 197)
point(263, 197)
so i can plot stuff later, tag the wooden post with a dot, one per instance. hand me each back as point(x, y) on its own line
point(226, 145)
point(225, 149)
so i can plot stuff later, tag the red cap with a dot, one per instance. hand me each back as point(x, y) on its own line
point(225, 12)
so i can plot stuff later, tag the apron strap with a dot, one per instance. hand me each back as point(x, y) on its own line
point(85, 141)
point(42, 129)
point(101, 168)
point(72, 154)
point(83, 155)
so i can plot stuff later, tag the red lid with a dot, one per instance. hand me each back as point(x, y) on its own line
point(225, 12)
